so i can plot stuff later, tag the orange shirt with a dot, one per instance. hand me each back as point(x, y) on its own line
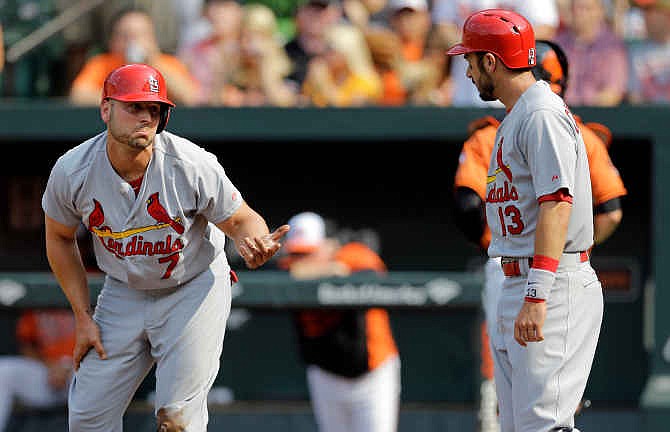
point(394, 93)
point(50, 332)
point(606, 183)
point(379, 341)
point(412, 51)
point(96, 69)
point(354, 90)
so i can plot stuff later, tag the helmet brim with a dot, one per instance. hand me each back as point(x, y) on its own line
point(143, 97)
point(459, 49)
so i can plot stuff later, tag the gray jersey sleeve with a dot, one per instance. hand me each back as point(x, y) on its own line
point(58, 200)
point(551, 151)
point(218, 198)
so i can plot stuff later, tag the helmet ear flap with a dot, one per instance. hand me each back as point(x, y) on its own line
point(164, 117)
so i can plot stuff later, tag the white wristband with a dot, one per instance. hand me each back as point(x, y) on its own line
point(538, 286)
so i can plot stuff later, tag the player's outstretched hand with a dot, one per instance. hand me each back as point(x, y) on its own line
point(87, 337)
point(256, 251)
point(529, 322)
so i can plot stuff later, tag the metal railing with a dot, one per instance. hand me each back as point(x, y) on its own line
point(49, 29)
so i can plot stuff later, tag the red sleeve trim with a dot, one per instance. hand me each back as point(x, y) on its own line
point(543, 262)
point(559, 195)
point(533, 300)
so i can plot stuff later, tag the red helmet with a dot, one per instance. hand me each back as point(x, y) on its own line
point(138, 83)
point(504, 33)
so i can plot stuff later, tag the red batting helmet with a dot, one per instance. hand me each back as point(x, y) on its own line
point(138, 83)
point(504, 33)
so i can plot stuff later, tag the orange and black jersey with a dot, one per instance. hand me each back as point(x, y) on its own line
point(348, 342)
point(606, 183)
point(51, 332)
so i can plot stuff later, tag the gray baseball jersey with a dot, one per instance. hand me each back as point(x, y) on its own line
point(164, 236)
point(539, 150)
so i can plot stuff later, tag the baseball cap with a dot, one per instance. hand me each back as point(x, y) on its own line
point(416, 5)
point(308, 231)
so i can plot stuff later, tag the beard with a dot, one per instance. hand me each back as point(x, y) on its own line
point(127, 138)
point(135, 143)
point(486, 87)
point(139, 143)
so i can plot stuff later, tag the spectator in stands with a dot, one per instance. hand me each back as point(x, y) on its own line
point(39, 375)
point(132, 40)
point(399, 53)
point(403, 81)
point(213, 59)
point(312, 19)
point(163, 15)
point(410, 20)
point(625, 20)
point(650, 57)
point(386, 52)
point(449, 16)
point(353, 365)
point(192, 23)
point(344, 75)
point(438, 89)
point(597, 56)
point(89, 34)
point(366, 14)
point(261, 76)
point(630, 23)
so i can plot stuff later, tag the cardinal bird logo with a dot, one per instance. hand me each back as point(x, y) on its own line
point(97, 216)
point(158, 212)
point(96, 219)
point(504, 168)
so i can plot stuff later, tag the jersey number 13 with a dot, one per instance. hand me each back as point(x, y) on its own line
point(512, 214)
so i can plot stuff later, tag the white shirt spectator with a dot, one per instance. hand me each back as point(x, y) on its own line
point(193, 26)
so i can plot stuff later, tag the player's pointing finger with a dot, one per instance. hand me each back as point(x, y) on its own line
point(280, 232)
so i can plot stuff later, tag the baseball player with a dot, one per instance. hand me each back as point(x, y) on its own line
point(470, 193)
point(353, 365)
point(159, 209)
point(539, 211)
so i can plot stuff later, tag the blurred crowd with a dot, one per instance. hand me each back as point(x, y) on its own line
point(337, 53)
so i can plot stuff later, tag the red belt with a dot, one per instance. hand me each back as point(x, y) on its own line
point(510, 266)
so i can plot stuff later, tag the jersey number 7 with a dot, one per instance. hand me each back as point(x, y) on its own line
point(172, 260)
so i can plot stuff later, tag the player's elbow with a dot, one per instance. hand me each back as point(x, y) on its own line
point(614, 217)
point(606, 224)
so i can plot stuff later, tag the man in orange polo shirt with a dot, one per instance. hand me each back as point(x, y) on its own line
point(133, 40)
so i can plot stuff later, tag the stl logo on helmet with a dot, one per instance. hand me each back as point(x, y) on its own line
point(153, 84)
point(531, 57)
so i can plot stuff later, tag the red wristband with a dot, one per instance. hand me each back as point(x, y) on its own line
point(533, 300)
point(545, 263)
